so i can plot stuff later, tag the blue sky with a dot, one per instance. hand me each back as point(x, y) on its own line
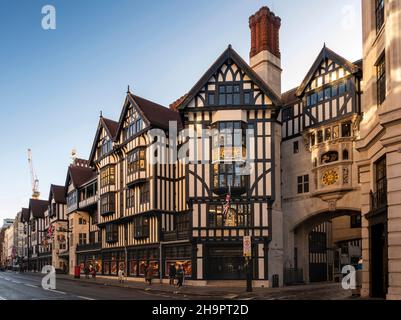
point(54, 83)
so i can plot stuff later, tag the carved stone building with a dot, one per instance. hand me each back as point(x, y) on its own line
point(379, 148)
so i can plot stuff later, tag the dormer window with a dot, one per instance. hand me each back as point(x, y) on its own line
point(134, 124)
point(105, 147)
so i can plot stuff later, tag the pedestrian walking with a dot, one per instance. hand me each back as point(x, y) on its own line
point(149, 275)
point(180, 276)
point(121, 275)
point(172, 272)
point(94, 272)
point(86, 271)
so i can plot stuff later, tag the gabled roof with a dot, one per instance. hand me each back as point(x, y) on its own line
point(152, 113)
point(289, 97)
point(79, 175)
point(24, 215)
point(111, 128)
point(326, 53)
point(230, 53)
point(38, 207)
point(58, 193)
point(177, 103)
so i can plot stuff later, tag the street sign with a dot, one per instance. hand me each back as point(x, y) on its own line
point(247, 242)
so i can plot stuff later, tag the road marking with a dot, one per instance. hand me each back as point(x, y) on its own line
point(86, 298)
point(30, 285)
point(1, 298)
point(7, 279)
point(17, 282)
point(61, 292)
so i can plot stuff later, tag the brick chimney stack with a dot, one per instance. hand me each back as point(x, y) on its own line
point(265, 32)
point(265, 56)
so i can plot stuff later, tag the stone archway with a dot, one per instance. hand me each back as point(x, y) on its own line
point(325, 241)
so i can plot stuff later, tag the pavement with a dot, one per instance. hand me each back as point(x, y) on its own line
point(27, 286)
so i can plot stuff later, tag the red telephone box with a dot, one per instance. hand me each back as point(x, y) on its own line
point(77, 272)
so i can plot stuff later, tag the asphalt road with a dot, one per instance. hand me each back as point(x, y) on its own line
point(21, 286)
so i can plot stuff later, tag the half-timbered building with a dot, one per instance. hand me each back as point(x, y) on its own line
point(237, 157)
point(56, 224)
point(138, 203)
point(83, 242)
point(37, 209)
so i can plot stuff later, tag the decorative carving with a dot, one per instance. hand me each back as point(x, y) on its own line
point(332, 205)
point(345, 176)
point(330, 156)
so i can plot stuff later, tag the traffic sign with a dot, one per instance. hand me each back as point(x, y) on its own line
point(247, 242)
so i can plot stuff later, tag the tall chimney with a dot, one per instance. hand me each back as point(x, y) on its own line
point(265, 57)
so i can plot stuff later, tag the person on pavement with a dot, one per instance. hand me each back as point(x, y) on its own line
point(121, 275)
point(149, 274)
point(180, 276)
point(86, 271)
point(172, 272)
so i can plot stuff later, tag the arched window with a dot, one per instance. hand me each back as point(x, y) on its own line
point(345, 154)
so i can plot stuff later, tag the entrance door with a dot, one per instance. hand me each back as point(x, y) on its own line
point(379, 272)
point(318, 267)
point(225, 263)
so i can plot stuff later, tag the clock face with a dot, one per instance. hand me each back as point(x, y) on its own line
point(330, 177)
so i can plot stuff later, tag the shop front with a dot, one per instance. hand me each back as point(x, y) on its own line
point(225, 263)
point(93, 260)
point(140, 259)
point(112, 262)
point(178, 256)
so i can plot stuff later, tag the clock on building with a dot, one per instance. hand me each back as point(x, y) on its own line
point(330, 177)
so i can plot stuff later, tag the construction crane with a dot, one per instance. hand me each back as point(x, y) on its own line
point(34, 178)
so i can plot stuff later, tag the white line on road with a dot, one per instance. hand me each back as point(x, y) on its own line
point(61, 292)
point(86, 298)
point(30, 285)
point(17, 282)
point(1, 298)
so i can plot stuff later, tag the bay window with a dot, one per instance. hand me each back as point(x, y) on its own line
point(107, 176)
point(107, 204)
point(136, 160)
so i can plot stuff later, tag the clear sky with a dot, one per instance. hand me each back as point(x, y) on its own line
point(54, 83)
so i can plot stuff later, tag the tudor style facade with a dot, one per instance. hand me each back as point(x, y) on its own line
point(234, 104)
point(35, 228)
point(82, 234)
point(235, 157)
point(158, 206)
